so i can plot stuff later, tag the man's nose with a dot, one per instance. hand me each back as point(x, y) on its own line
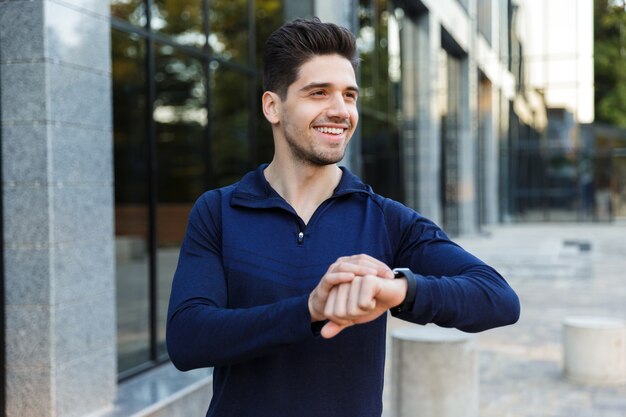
point(338, 107)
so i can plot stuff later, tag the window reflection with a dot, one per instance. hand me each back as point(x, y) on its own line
point(180, 19)
point(269, 17)
point(378, 42)
point(229, 37)
point(133, 11)
point(180, 118)
point(189, 154)
point(131, 199)
point(449, 98)
point(230, 120)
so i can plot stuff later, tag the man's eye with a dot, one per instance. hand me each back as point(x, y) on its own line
point(317, 93)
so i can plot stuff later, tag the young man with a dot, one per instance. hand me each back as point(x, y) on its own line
point(285, 278)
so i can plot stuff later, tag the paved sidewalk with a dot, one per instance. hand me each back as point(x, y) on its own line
point(556, 277)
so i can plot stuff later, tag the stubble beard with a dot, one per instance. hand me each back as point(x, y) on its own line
point(311, 156)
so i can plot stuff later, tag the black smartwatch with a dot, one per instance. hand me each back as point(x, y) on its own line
point(409, 300)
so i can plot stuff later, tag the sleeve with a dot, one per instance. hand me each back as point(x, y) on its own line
point(201, 330)
point(454, 288)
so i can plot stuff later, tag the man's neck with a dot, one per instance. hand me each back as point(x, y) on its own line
point(304, 187)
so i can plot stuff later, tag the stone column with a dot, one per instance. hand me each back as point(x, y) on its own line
point(435, 372)
point(421, 41)
point(57, 190)
point(467, 198)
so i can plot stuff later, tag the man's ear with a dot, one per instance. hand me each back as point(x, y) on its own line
point(271, 106)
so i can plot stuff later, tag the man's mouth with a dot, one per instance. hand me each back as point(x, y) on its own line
point(331, 130)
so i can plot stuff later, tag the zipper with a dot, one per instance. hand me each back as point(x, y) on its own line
point(302, 227)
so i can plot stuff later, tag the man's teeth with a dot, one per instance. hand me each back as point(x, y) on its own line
point(331, 130)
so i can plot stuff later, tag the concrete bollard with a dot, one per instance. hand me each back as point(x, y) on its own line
point(434, 373)
point(594, 350)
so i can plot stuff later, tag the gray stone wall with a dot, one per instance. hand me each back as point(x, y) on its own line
point(57, 190)
point(421, 41)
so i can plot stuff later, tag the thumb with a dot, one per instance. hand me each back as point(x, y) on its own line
point(332, 329)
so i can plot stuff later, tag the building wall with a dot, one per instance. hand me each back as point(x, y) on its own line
point(453, 179)
point(57, 196)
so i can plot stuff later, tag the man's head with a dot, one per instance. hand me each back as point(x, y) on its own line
point(295, 43)
point(311, 91)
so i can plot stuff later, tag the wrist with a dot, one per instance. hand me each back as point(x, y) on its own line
point(315, 316)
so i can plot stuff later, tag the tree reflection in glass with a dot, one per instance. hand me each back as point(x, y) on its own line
point(180, 19)
point(180, 117)
point(230, 120)
point(229, 37)
point(131, 199)
point(133, 11)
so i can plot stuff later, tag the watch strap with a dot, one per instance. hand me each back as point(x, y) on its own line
point(409, 300)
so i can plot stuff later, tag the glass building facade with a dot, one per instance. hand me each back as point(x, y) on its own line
point(185, 119)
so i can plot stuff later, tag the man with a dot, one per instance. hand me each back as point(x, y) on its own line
point(284, 278)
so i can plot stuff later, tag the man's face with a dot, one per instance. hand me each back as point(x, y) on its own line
point(319, 114)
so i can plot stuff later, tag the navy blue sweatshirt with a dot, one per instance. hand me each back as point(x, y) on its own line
point(247, 266)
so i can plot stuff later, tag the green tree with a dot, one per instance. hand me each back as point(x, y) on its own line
point(610, 61)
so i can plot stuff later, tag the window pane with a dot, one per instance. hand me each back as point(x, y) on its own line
point(181, 19)
point(131, 199)
point(269, 17)
point(450, 99)
point(180, 116)
point(366, 43)
point(133, 11)
point(229, 38)
point(378, 42)
point(230, 119)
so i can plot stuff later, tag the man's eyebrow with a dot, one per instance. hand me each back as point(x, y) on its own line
point(313, 86)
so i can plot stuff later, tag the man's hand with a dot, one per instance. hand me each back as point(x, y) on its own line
point(362, 300)
point(344, 270)
point(351, 292)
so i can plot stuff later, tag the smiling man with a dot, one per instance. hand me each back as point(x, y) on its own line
point(285, 278)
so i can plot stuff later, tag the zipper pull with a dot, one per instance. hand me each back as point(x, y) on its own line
point(300, 238)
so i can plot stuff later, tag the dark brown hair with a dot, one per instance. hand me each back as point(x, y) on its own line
point(294, 43)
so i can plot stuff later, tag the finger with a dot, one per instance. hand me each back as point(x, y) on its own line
point(333, 279)
point(341, 301)
point(367, 295)
point(353, 298)
point(329, 307)
point(332, 329)
point(330, 312)
point(382, 270)
point(319, 296)
point(354, 268)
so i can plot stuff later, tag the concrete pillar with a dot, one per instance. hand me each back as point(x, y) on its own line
point(57, 190)
point(434, 372)
point(468, 130)
point(594, 350)
point(421, 134)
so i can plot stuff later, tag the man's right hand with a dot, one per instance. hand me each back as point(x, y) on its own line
point(344, 271)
